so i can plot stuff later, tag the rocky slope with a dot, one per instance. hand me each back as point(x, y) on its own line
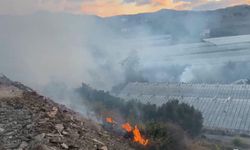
point(31, 121)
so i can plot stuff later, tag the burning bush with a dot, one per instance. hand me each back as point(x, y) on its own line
point(134, 111)
point(133, 133)
point(155, 119)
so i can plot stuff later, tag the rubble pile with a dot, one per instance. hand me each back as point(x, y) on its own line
point(32, 121)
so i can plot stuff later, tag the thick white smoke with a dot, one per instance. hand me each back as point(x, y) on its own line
point(43, 48)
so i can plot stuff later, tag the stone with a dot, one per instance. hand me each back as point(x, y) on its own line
point(39, 137)
point(2, 130)
point(97, 141)
point(59, 127)
point(52, 135)
point(55, 140)
point(42, 147)
point(104, 148)
point(53, 113)
point(74, 134)
point(29, 126)
point(65, 133)
point(65, 146)
point(23, 145)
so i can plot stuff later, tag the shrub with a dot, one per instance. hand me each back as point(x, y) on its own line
point(134, 111)
point(182, 114)
point(237, 142)
point(165, 136)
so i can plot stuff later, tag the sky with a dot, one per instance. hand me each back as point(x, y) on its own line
point(105, 8)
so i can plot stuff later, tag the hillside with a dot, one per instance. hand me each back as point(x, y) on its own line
point(187, 24)
point(31, 121)
point(221, 22)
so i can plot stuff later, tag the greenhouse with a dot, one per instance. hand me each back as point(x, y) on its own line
point(224, 107)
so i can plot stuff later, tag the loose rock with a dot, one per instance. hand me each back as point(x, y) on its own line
point(23, 145)
point(65, 146)
point(104, 148)
point(53, 113)
point(97, 141)
point(40, 137)
point(31, 121)
point(1, 130)
point(59, 127)
point(56, 140)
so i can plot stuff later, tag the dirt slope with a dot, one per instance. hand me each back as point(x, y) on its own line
point(31, 121)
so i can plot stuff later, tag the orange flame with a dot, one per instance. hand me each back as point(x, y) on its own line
point(127, 127)
point(109, 120)
point(138, 138)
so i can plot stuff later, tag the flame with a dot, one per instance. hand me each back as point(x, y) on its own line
point(109, 120)
point(138, 138)
point(127, 127)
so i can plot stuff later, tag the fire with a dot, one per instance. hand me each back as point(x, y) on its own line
point(109, 120)
point(138, 138)
point(127, 127)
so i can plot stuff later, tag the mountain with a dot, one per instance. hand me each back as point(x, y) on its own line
point(221, 22)
point(31, 121)
point(190, 24)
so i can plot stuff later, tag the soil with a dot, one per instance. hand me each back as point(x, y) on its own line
point(31, 121)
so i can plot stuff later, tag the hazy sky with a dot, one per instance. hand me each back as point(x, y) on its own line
point(110, 7)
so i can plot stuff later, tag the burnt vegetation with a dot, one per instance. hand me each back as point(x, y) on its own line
point(165, 125)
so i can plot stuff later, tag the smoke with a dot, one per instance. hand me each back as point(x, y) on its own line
point(55, 52)
point(221, 73)
point(45, 48)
